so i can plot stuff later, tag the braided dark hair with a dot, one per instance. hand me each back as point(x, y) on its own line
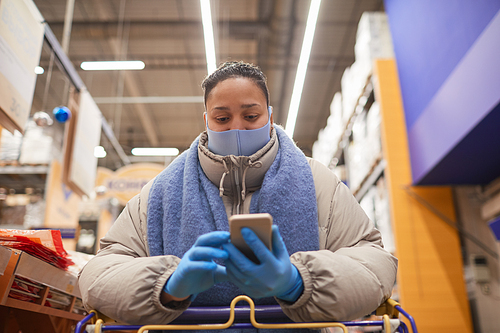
point(234, 69)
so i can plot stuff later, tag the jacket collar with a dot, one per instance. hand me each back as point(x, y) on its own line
point(215, 166)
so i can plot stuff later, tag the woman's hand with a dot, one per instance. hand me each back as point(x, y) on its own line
point(274, 276)
point(197, 271)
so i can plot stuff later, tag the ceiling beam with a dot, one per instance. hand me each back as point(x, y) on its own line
point(282, 33)
point(159, 29)
point(189, 29)
point(141, 111)
point(149, 100)
point(265, 10)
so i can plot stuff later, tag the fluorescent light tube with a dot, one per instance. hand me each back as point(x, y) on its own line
point(302, 67)
point(39, 70)
point(208, 32)
point(112, 65)
point(99, 152)
point(155, 151)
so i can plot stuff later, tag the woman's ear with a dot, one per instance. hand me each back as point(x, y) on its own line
point(205, 120)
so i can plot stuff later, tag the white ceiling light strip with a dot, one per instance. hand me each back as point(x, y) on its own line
point(112, 65)
point(302, 67)
point(208, 32)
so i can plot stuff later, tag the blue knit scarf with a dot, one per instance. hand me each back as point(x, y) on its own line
point(184, 204)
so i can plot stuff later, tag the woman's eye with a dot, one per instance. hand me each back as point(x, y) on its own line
point(252, 117)
point(222, 119)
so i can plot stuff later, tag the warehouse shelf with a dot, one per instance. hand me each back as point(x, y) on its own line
point(376, 171)
point(363, 102)
point(20, 177)
point(24, 169)
point(359, 159)
point(52, 291)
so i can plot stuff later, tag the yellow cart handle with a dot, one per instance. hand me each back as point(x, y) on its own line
point(231, 320)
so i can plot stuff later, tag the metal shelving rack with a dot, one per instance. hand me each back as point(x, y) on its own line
point(363, 103)
point(19, 177)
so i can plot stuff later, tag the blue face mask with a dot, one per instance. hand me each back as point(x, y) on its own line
point(239, 142)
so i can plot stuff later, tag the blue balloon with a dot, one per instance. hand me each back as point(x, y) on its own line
point(61, 113)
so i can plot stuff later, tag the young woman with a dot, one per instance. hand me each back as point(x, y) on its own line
point(170, 246)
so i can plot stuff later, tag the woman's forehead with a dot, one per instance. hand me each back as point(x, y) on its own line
point(238, 87)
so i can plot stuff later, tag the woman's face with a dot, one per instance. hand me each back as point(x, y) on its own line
point(236, 103)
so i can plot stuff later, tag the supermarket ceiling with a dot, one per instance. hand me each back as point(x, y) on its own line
point(167, 35)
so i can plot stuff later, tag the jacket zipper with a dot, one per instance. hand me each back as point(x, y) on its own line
point(238, 192)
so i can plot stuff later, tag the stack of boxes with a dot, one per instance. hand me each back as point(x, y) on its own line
point(34, 147)
point(37, 145)
point(10, 146)
point(354, 116)
point(365, 149)
point(326, 145)
point(373, 41)
point(375, 203)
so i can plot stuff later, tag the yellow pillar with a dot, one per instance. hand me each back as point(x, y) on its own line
point(430, 274)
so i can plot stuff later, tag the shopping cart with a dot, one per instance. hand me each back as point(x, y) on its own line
point(209, 318)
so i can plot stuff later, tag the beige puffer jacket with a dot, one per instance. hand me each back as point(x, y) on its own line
point(347, 278)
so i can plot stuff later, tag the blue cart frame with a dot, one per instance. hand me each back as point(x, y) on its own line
point(196, 318)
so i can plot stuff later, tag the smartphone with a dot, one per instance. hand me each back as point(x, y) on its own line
point(260, 223)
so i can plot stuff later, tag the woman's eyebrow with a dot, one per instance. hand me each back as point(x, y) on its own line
point(247, 106)
point(220, 108)
point(225, 108)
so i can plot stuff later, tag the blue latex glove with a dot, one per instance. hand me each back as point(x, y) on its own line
point(274, 276)
point(197, 271)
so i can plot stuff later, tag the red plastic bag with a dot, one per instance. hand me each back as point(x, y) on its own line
point(43, 244)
